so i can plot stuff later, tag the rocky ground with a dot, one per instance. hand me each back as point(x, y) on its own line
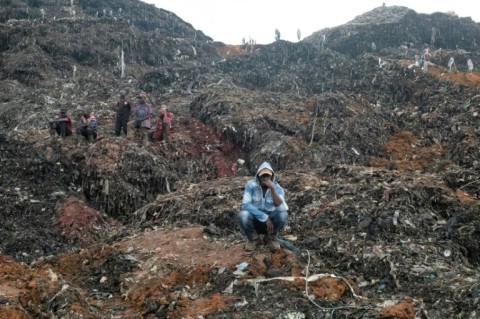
point(379, 158)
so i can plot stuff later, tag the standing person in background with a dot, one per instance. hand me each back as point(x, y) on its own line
point(88, 126)
point(143, 113)
point(161, 131)
point(123, 110)
point(62, 124)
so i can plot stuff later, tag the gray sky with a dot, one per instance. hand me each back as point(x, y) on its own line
point(230, 21)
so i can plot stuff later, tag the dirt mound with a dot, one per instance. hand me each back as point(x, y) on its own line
point(372, 134)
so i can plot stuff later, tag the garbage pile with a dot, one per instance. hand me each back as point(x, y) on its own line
point(376, 145)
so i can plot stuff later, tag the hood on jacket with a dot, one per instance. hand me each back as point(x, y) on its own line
point(262, 166)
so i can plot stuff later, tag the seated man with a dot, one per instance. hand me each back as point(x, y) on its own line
point(62, 124)
point(161, 131)
point(88, 127)
point(264, 210)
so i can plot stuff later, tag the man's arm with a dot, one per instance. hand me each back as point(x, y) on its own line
point(149, 112)
point(277, 198)
point(259, 215)
point(247, 204)
point(59, 119)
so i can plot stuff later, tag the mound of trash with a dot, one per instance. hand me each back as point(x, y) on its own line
point(373, 135)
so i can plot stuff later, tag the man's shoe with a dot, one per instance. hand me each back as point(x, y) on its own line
point(253, 243)
point(272, 243)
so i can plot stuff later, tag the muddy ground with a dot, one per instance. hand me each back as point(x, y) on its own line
point(378, 155)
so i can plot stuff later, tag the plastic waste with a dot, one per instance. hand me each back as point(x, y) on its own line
point(288, 245)
point(451, 62)
point(395, 217)
point(240, 268)
point(294, 315)
point(470, 65)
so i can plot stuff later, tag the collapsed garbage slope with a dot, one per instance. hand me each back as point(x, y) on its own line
point(343, 127)
point(378, 156)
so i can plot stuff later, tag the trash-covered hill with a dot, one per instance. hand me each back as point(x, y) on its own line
point(384, 28)
point(373, 130)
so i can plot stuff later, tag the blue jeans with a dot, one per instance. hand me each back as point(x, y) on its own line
point(249, 224)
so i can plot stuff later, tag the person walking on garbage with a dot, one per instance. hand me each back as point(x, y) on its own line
point(161, 130)
point(264, 210)
point(88, 126)
point(62, 124)
point(123, 110)
point(143, 112)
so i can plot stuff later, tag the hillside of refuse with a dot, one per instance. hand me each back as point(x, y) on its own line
point(372, 128)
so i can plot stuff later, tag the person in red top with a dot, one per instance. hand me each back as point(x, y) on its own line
point(162, 128)
point(62, 124)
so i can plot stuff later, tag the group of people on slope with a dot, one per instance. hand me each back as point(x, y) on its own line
point(264, 212)
point(143, 124)
point(63, 125)
point(143, 112)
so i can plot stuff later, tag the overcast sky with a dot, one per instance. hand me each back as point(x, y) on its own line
point(230, 21)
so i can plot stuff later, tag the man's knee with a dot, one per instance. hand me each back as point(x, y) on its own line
point(280, 219)
point(283, 216)
point(243, 217)
point(54, 125)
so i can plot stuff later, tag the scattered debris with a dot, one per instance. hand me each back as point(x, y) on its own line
point(378, 154)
